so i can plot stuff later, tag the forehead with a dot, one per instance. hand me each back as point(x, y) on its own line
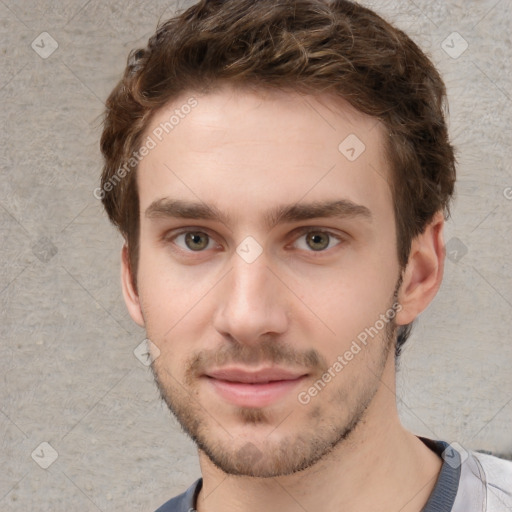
point(264, 146)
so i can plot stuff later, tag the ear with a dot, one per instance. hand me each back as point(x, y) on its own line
point(424, 271)
point(131, 297)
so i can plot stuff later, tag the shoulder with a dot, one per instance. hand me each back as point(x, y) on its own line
point(497, 470)
point(184, 502)
point(497, 477)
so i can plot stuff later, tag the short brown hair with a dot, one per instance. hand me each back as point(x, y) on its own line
point(308, 46)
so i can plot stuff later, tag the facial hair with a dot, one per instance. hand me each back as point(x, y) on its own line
point(328, 421)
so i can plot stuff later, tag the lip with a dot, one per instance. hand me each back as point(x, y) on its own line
point(253, 389)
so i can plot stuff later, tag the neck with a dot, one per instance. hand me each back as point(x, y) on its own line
point(379, 467)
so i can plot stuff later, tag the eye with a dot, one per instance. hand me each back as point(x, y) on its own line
point(195, 241)
point(317, 240)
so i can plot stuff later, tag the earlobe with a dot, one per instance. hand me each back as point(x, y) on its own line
point(424, 272)
point(131, 297)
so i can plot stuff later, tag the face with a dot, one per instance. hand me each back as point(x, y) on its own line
point(267, 252)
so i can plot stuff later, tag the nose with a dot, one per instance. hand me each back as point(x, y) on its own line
point(251, 302)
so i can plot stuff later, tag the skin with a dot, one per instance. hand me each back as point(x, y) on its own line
point(294, 307)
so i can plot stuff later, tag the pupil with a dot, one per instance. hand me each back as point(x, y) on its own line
point(195, 239)
point(317, 239)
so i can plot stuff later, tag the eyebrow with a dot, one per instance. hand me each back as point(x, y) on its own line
point(340, 208)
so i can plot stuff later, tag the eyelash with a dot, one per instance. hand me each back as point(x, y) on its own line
point(300, 232)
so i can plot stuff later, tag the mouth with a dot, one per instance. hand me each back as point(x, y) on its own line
point(253, 389)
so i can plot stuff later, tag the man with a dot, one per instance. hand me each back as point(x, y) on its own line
point(281, 173)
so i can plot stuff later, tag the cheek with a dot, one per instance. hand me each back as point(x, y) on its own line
point(338, 306)
point(160, 292)
point(173, 299)
point(350, 295)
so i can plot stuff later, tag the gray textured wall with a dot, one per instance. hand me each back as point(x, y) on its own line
point(68, 372)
